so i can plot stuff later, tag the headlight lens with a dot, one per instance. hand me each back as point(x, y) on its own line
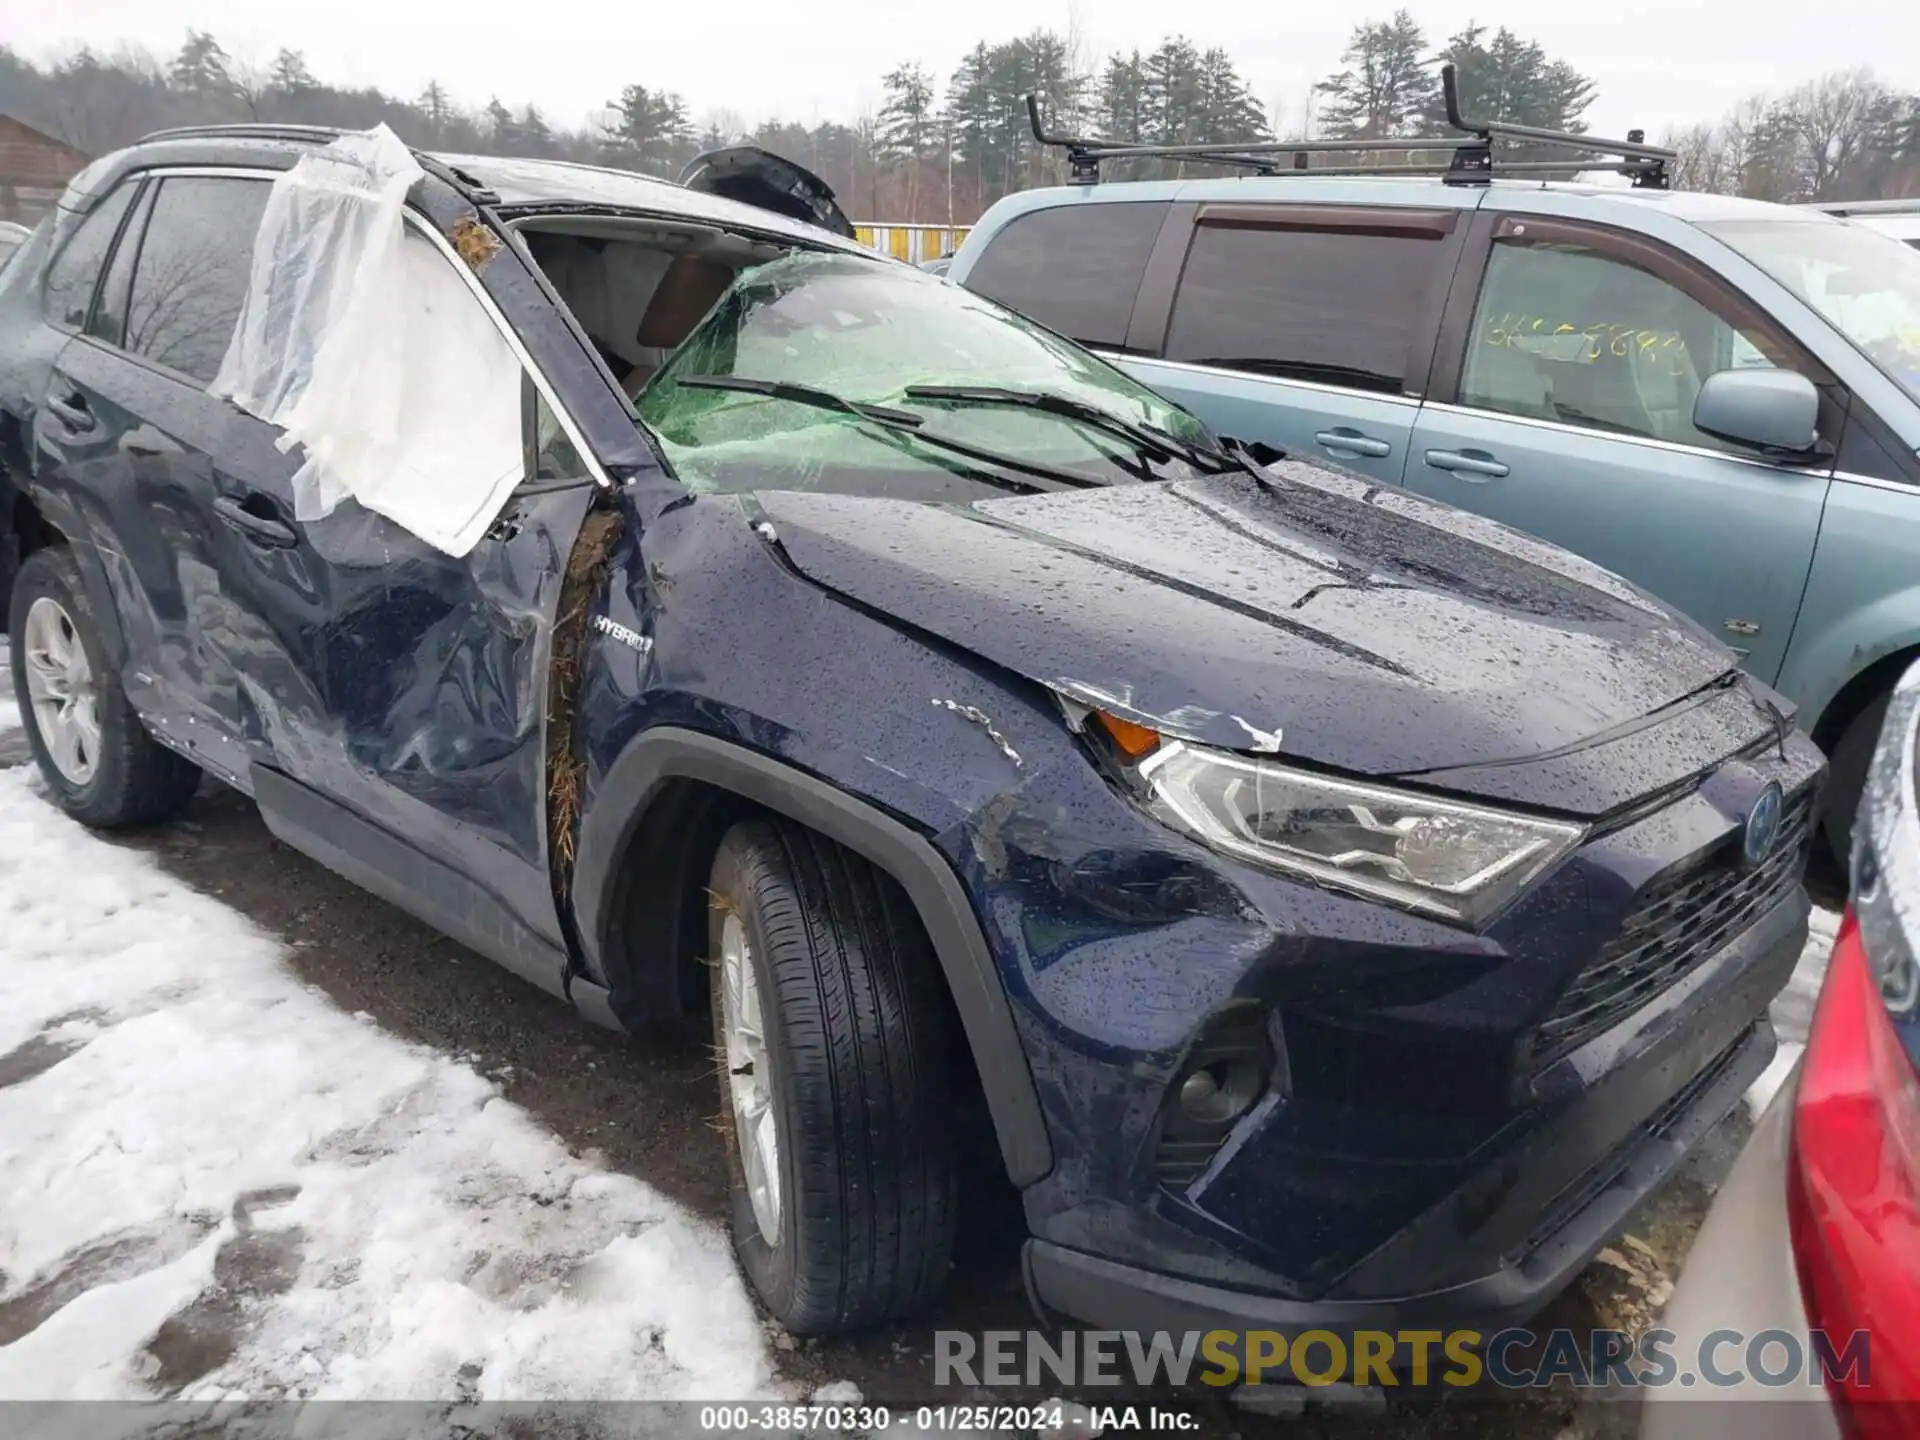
point(1460, 862)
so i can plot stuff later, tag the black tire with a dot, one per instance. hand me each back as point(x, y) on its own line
point(859, 1043)
point(136, 780)
point(1847, 778)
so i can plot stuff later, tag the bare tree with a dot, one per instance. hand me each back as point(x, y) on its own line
point(1837, 119)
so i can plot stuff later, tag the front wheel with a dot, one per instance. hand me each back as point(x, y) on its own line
point(835, 1081)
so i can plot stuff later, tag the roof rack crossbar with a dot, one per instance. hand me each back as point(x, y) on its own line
point(1472, 161)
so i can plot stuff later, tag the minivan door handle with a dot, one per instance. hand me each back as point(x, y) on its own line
point(73, 413)
point(1342, 440)
point(1472, 465)
point(253, 518)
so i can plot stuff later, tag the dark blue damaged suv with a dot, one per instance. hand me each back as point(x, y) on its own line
point(1339, 909)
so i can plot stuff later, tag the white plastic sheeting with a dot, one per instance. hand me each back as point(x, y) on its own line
point(361, 341)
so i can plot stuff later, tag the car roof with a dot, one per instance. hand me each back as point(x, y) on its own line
point(1691, 207)
point(522, 185)
point(528, 185)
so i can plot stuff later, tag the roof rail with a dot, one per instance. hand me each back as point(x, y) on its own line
point(248, 130)
point(1865, 207)
point(1469, 162)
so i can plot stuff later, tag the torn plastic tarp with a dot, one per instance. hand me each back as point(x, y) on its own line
point(362, 342)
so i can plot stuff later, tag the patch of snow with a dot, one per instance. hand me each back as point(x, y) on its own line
point(382, 1223)
point(9, 711)
point(1793, 1008)
point(838, 1392)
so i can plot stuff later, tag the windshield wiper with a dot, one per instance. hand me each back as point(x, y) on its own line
point(887, 417)
point(1148, 438)
point(803, 395)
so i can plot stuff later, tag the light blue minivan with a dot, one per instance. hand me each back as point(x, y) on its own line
point(1717, 398)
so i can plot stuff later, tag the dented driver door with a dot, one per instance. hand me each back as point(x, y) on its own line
point(403, 693)
point(400, 690)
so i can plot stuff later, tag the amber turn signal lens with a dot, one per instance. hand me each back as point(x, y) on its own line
point(1136, 742)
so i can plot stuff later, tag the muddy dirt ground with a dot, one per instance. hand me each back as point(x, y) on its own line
point(647, 1110)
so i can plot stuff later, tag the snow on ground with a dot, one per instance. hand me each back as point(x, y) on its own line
point(1793, 1008)
point(9, 711)
point(203, 1159)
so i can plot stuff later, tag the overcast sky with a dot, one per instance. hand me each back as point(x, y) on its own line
point(1656, 62)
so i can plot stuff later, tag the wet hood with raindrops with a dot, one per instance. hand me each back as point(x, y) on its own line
point(1310, 614)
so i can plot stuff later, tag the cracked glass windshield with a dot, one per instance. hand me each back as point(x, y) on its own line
point(847, 329)
point(1865, 283)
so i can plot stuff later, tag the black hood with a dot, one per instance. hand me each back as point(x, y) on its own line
point(1317, 615)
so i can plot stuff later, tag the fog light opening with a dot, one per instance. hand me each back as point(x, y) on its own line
point(1220, 1093)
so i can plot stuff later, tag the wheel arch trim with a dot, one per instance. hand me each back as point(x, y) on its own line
point(668, 753)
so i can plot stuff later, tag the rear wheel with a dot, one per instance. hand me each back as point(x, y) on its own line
point(102, 766)
point(1847, 778)
point(835, 1081)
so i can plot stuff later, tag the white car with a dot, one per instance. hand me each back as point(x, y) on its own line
point(1898, 218)
point(1817, 1230)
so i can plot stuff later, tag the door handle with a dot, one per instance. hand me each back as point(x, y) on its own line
point(262, 529)
point(72, 412)
point(1352, 442)
point(1472, 465)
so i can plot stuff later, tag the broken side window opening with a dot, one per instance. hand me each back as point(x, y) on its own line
point(364, 344)
point(639, 287)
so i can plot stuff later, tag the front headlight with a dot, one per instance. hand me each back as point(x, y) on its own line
point(1440, 857)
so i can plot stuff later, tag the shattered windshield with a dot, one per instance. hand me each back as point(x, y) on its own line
point(1865, 283)
point(850, 329)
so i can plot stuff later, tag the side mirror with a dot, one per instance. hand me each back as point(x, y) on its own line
point(1772, 410)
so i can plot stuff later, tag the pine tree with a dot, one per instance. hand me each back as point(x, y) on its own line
point(290, 75)
point(1123, 112)
point(907, 131)
point(435, 108)
point(1509, 79)
point(650, 130)
point(1385, 88)
point(201, 67)
point(1228, 111)
point(972, 112)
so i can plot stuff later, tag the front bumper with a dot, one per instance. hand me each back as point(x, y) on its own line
point(1715, 1041)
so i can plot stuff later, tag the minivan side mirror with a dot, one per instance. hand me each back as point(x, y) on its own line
point(1773, 410)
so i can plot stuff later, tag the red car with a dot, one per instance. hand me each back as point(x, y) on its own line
point(1815, 1238)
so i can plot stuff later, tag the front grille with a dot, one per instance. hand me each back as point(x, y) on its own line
point(1681, 919)
point(1583, 1191)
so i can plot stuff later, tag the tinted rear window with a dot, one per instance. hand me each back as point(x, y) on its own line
point(193, 270)
point(71, 277)
point(1334, 306)
point(1075, 269)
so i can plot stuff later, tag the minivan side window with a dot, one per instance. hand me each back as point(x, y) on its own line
point(71, 276)
point(1330, 305)
point(1075, 268)
point(1566, 333)
point(193, 269)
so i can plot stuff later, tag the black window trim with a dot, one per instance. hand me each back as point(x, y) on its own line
point(144, 192)
point(1446, 226)
point(420, 222)
point(154, 176)
point(1705, 286)
point(135, 183)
